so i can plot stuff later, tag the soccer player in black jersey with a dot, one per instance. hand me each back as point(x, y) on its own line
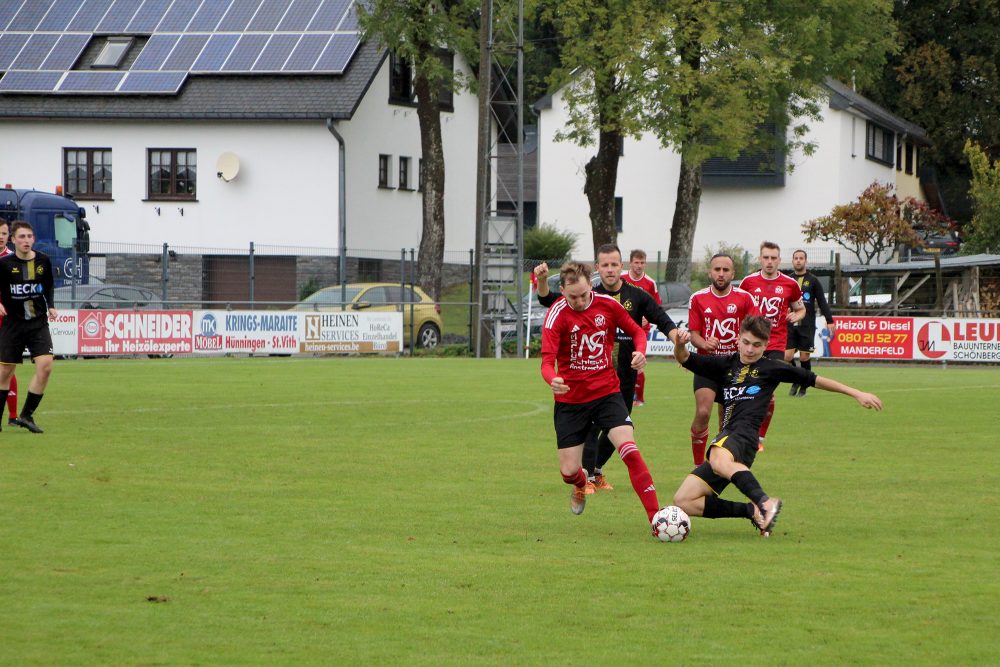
point(748, 380)
point(26, 291)
point(801, 334)
point(639, 304)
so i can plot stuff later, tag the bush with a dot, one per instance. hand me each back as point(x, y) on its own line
point(546, 242)
point(742, 260)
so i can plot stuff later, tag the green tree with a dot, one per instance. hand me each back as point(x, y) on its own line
point(876, 223)
point(983, 232)
point(705, 77)
point(418, 31)
point(547, 242)
point(946, 78)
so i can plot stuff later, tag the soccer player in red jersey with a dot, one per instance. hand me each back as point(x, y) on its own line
point(636, 275)
point(779, 298)
point(12, 393)
point(714, 317)
point(577, 341)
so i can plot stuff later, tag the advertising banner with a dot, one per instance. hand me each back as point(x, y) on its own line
point(63, 330)
point(873, 338)
point(225, 331)
point(156, 332)
point(956, 340)
point(349, 332)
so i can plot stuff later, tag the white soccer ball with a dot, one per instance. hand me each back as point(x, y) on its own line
point(671, 524)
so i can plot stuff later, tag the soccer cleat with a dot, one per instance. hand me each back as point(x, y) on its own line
point(757, 520)
point(601, 484)
point(770, 516)
point(29, 423)
point(760, 445)
point(794, 390)
point(802, 391)
point(589, 487)
point(638, 403)
point(577, 500)
point(12, 421)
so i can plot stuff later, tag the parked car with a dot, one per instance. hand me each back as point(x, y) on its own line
point(943, 245)
point(674, 294)
point(106, 296)
point(384, 297)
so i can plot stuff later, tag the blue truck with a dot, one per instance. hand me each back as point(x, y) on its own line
point(61, 230)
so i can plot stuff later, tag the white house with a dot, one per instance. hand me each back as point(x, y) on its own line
point(129, 106)
point(857, 142)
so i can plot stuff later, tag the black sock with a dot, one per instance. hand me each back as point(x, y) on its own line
point(717, 508)
point(808, 365)
point(749, 487)
point(30, 404)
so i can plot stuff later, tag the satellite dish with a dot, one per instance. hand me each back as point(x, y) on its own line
point(227, 166)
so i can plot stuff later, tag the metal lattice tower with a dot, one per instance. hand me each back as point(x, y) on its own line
point(500, 236)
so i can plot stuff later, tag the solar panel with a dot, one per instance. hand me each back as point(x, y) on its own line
point(337, 54)
point(215, 53)
point(246, 52)
point(179, 15)
point(35, 51)
point(185, 53)
point(208, 17)
point(152, 82)
point(350, 21)
point(7, 11)
point(66, 52)
point(239, 15)
point(29, 82)
point(90, 82)
point(276, 53)
point(148, 16)
point(299, 15)
point(329, 15)
point(30, 16)
point(267, 17)
point(306, 53)
point(89, 16)
point(10, 45)
point(119, 16)
point(59, 16)
point(155, 52)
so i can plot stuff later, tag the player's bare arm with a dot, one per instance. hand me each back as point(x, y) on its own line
point(797, 311)
point(681, 353)
point(541, 275)
point(864, 399)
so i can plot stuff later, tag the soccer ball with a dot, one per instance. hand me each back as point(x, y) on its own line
point(671, 524)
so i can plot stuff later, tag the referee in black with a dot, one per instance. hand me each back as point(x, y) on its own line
point(802, 334)
point(597, 450)
point(26, 292)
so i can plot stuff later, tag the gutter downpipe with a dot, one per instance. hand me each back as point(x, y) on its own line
point(342, 207)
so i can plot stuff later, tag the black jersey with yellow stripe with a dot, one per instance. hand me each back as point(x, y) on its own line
point(26, 286)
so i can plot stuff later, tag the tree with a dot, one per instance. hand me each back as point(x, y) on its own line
point(876, 223)
point(417, 32)
point(983, 232)
point(602, 66)
point(705, 77)
point(722, 71)
point(946, 78)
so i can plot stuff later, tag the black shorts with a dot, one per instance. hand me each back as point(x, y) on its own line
point(801, 338)
point(573, 420)
point(705, 383)
point(16, 335)
point(743, 448)
point(777, 355)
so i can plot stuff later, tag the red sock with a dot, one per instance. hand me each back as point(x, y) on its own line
point(698, 443)
point(642, 481)
point(12, 397)
point(578, 479)
point(640, 387)
point(767, 419)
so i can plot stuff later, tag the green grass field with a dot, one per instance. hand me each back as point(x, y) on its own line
point(410, 511)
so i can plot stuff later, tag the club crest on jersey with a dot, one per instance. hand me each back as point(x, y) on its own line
point(600, 321)
point(779, 289)
point(731, 308)
point(628, 305)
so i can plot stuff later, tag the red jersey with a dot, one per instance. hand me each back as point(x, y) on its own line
point(774, 296)
point(580, 345)
point(715, 316)
point(645, 283)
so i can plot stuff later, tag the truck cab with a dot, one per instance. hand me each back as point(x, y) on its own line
point(61, 230)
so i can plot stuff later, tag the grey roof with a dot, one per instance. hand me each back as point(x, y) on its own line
point(843, 97)
point(220, 97)
point(953, 263)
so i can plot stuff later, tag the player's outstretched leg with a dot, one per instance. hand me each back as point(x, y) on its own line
point(764, 426)
point(638, 472)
